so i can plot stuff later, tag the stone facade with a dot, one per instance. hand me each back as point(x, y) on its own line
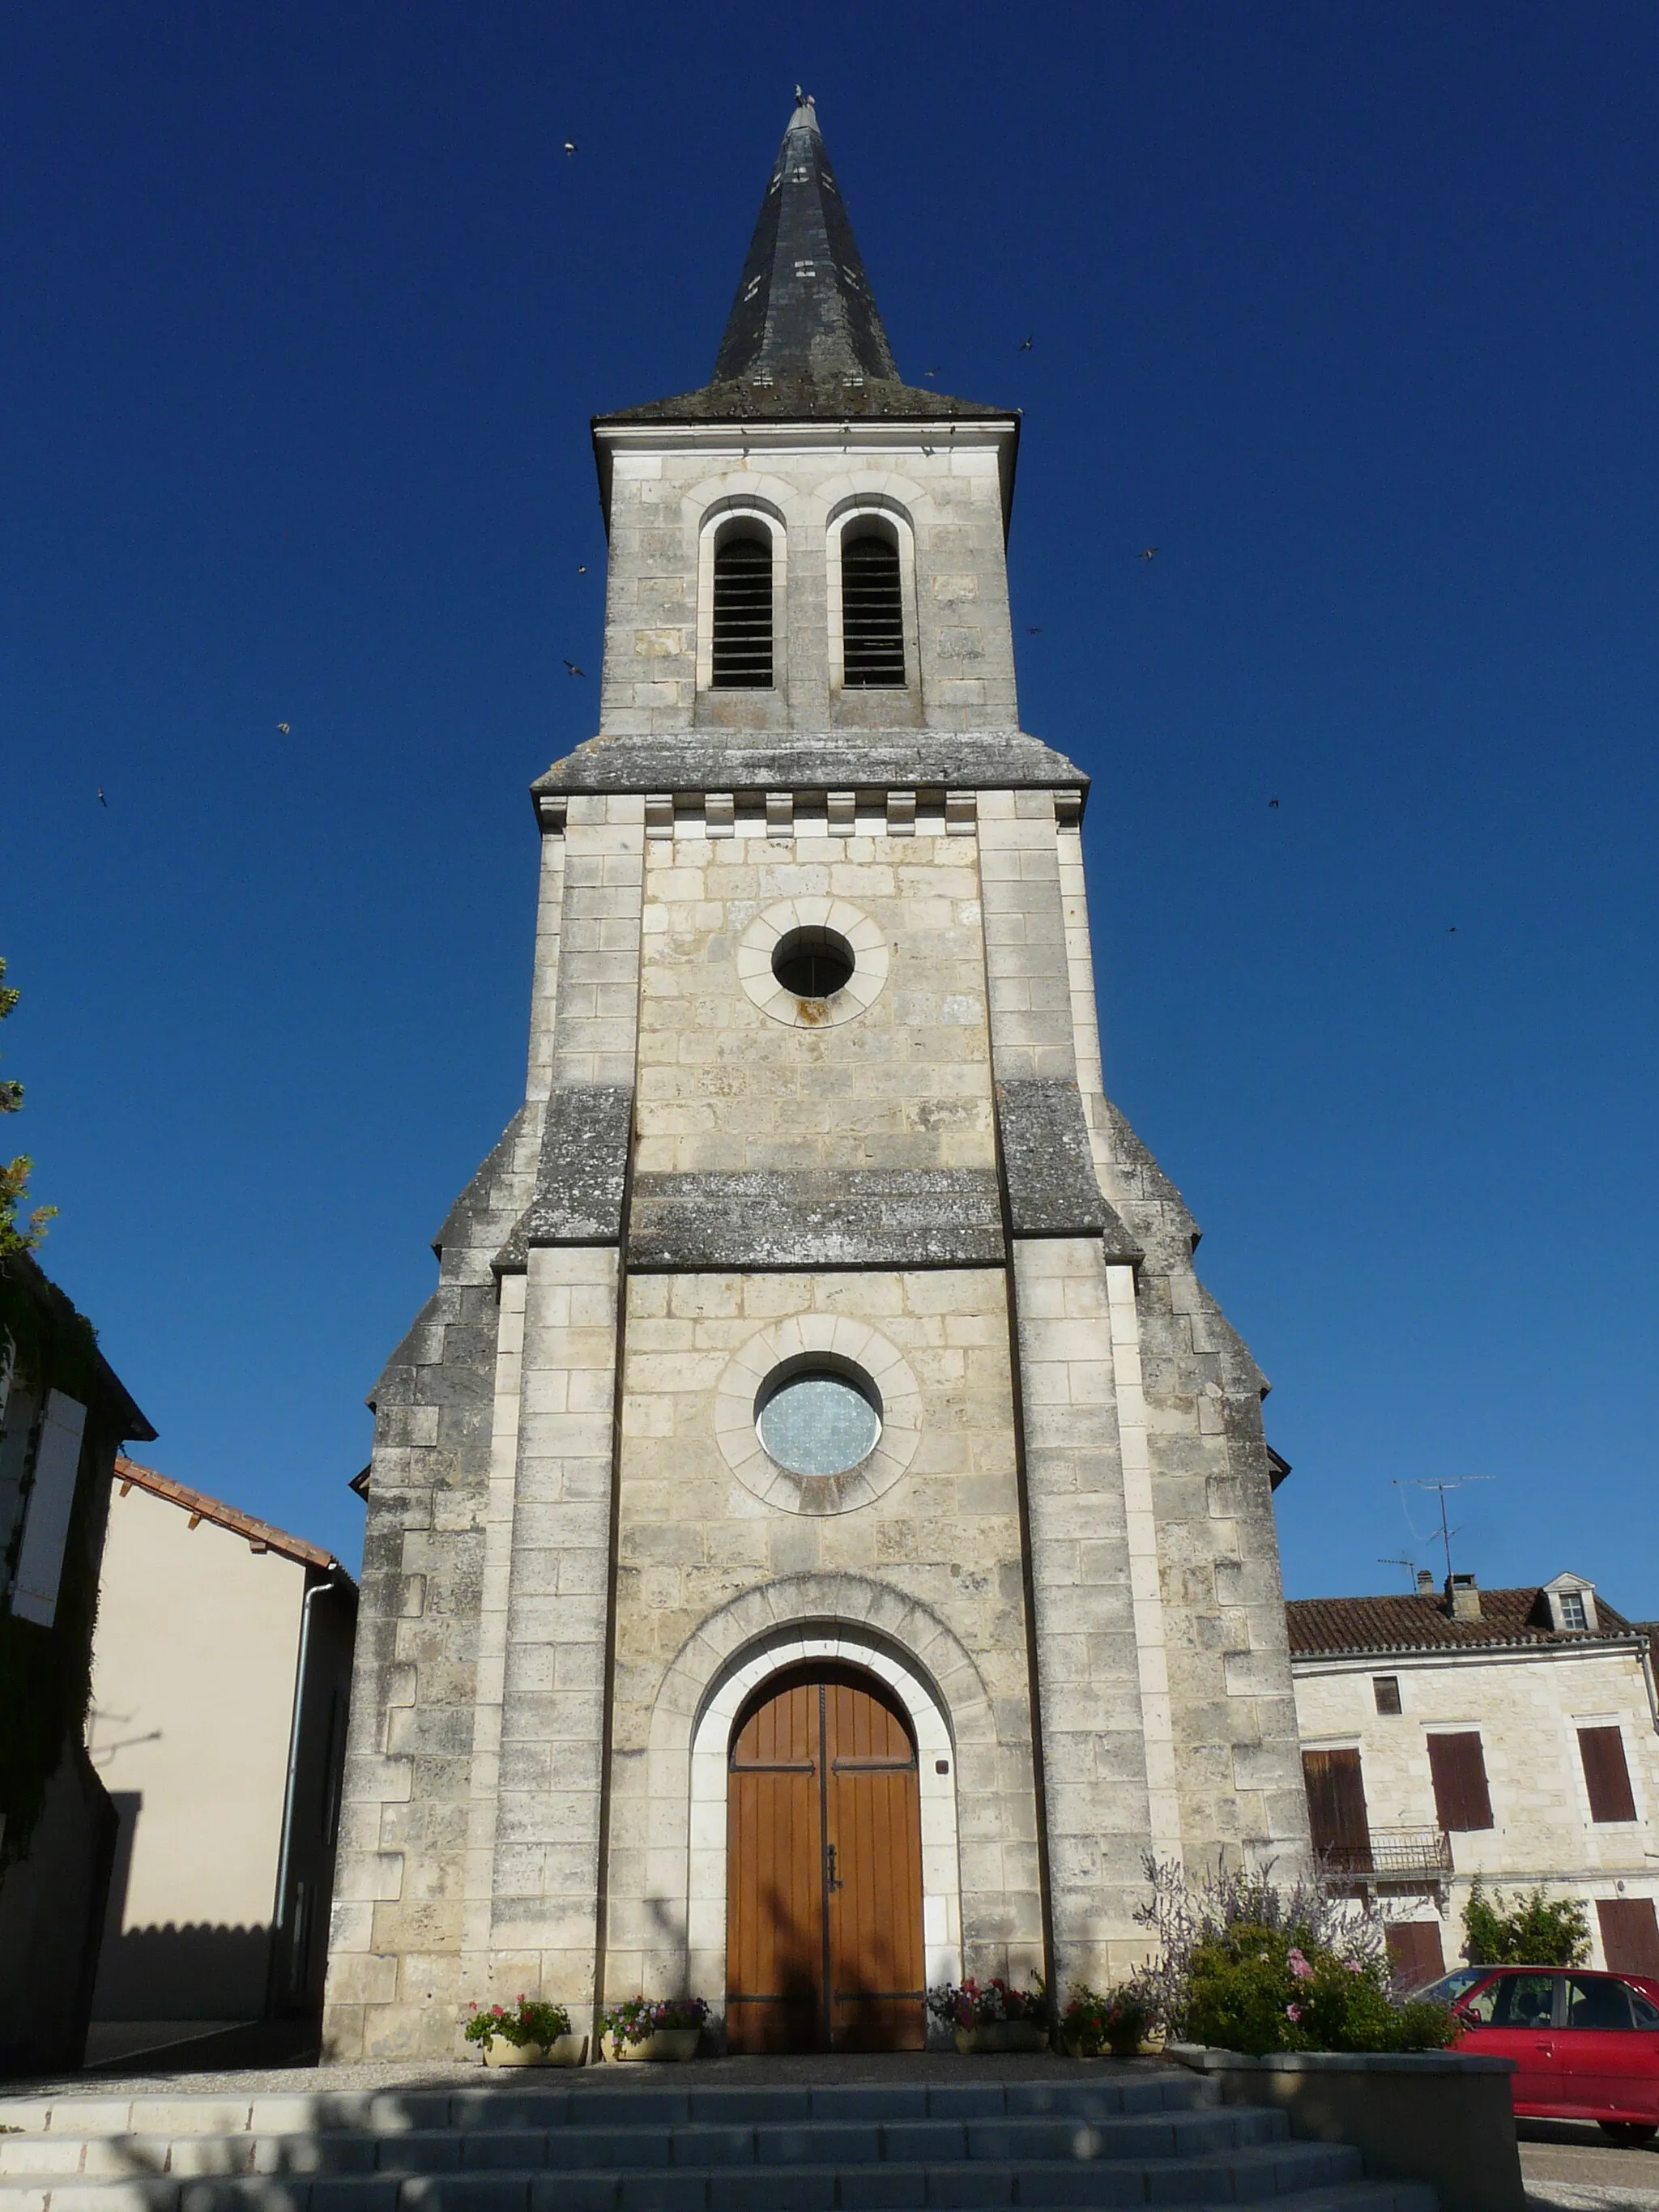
point(1061, 1556)
point(1526, 1693)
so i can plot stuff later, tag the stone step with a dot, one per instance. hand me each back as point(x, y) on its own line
point(1304, 2171)
point(430, 2150)
point(605, 2098)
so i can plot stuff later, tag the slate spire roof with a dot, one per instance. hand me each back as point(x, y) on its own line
point(803, 306)
point(804, 336)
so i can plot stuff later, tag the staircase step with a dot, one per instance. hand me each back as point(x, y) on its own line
point(698, 2143)
point(1249, 2174)
point(602, 2101)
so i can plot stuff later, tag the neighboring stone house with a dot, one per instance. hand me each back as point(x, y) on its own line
point(1506, 1733)
point(819, 1532)
point(64, 1416)
point(221, 1674)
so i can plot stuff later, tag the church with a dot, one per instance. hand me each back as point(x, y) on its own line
point(820, 1531)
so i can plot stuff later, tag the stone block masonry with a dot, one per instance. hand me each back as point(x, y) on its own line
point(1056, 1565)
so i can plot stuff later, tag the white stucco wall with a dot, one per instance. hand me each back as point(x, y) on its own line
point(1528, 1707)
point(192, 1702)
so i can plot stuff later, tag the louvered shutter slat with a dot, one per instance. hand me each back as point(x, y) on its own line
point(1606, 1775)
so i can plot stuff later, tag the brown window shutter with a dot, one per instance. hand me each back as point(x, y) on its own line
point(1458, 1769)
point(1336, 1808)
point(1606, 1777)
point(1629, 1936)
point(1414, 1952)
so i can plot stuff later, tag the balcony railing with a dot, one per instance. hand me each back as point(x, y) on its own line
point(1393, 1855)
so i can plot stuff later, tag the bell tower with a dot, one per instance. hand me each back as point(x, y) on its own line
point(820, 1536)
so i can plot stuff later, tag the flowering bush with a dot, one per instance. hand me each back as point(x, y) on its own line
point(1253, 1988)
point(1251, 1966)
point(975, 2004)
point(1122, 2016)
point(640, 2018)
point(533, 2022)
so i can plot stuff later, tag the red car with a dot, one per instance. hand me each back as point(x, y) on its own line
point(1586, 2045)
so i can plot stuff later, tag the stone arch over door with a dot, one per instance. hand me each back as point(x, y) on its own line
point(981, 1892)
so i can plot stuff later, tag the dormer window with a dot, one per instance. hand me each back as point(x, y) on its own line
point(742, 639)
point(1572, 1603)
point(871, 610)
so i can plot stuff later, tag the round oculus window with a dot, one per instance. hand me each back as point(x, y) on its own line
point(813, 963)
point(817, 1422)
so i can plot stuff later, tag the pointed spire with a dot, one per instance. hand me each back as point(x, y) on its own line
point(803, 341)
point(804, 308)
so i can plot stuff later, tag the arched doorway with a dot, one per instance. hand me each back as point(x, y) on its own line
point(823, 1867)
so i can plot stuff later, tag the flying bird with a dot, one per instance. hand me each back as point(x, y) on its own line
point(1149, 553)
point(1272, 802)
point(569, 148)
point(102, 801)
point(930, 372)
point(1025, 345)
point(1035, 631)
point(581, 568)
point(571, 669)
point(281, 729)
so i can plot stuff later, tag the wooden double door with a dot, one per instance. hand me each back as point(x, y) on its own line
point(823, 1869)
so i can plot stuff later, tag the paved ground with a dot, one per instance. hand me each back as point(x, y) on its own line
point(1566, 2163)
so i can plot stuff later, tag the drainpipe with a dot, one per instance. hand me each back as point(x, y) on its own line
point(280, 1916)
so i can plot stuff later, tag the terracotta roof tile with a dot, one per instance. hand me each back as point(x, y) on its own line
point(261, 1535)
point(1423, 1624)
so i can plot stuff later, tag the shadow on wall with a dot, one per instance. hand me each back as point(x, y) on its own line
point(198, 1972)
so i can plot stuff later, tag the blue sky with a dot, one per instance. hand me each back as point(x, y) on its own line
point(1350, 311)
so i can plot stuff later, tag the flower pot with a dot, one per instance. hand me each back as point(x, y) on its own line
point(1077, 2047)
point(1000, 2035)
point(664, 2044)
point(676, 2044)
point(1125, 2043)
point(563, 2050)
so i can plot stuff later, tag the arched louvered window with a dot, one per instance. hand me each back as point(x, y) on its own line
point(743, 614)
point(871, 610)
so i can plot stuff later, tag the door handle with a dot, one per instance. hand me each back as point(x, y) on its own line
point(831, 1880)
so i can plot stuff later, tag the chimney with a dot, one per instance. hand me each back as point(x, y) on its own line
point(1462, 1597)
point(1425, 1582)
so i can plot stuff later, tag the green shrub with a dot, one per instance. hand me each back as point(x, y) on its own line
point(1534, 1931)
point(534, 2021)
point(1256, 1989)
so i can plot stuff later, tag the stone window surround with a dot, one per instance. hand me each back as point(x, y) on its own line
point(941, 1888)
point(863, 933)
point(844, 516)
point(793, 1342)
point(761, 517)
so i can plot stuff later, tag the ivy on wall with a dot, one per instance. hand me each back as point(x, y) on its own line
point(45, 1674)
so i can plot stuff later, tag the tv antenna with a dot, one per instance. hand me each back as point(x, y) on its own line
point(1410, 1565)
point(1446, 1533)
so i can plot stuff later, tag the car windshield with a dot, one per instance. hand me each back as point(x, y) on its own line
point(1448, 1989)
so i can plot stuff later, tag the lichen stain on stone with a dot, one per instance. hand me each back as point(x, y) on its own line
point(811, 1012)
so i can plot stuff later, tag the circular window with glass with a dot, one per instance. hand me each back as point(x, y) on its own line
point(818, 1420)
point(812, 963)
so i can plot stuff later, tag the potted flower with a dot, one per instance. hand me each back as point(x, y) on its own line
point(534, 2034)
point(653, 2028)
point(1115, 2022)
point(990, 2016)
